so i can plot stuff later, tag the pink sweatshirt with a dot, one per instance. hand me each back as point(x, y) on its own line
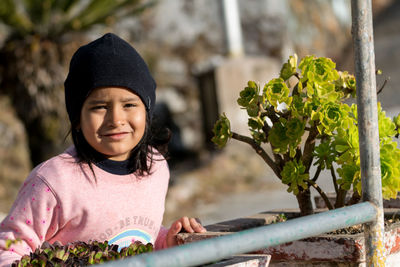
point(60, 201)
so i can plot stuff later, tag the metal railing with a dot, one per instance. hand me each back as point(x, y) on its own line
point(222, 247)
point(369, 212)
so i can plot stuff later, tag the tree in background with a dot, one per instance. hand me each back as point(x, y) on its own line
point(33, 60)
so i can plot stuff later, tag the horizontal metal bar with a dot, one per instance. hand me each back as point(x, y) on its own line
point(222, 247)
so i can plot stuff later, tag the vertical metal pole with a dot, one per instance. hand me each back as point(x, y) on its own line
point(363, 43)
point(233, 28)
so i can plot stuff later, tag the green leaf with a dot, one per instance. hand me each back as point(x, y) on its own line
point(318, 69)
point(278, 138)
point(250, 99)
point(387, 128)
point(396, 121)
point(258, 136)
point(222, 131)
point(98, 255)
point(289, 68)
point(341, 148)
point(277, 92)
point(293, 174)
point(349, 174)
point(11, 16)
point(52, 18)
point(298, 106)
point(255, 123)
point(295, 129)
point(249, 95)
point(149, 247)
point(325, 154)
point(346, 83)
point(331, 116)
point(390, 169)
point(98, 11)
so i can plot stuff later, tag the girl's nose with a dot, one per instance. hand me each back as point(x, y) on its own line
point(116, 117)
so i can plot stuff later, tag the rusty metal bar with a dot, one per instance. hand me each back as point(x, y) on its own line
point(364, 58)
point(219, 248)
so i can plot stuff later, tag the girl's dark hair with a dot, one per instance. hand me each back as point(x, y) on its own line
point(141, 160)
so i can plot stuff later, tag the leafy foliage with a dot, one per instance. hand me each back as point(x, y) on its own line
point(80, 254)
point(55, 17)
point(307, 122)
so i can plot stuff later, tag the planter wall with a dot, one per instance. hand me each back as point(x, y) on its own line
point(243, 261)
point(320, 203)
point(324, 250)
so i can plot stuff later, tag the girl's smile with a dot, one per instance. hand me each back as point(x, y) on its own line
point(116, 136)
point(113, 121)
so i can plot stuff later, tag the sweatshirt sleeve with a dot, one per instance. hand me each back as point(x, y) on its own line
point(31, 220)
point(161, 241)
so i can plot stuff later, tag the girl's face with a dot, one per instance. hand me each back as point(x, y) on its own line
point(113, 121)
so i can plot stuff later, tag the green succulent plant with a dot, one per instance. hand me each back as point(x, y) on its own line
point(79, 254)
point(303, 116)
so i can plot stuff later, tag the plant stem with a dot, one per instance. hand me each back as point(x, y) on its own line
point(322, 193)
point(340, 198)
point(304, 200)
point(316, 175)
point(298, 153)
point(334, 180)
point(309, 148)
point(340, 193)
point(296, 90)
point(278, 160)
point(271, 114)
point(260, 151)
point(383, 86)
point(355, 198)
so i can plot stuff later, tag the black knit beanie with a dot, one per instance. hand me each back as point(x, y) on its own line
point(107, 62)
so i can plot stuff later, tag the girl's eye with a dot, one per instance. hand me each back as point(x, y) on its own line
point(98, 107)
point(130, 105)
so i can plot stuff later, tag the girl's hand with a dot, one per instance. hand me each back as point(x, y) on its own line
point(189, 224)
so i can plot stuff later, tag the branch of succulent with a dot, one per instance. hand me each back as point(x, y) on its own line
point(304, 118)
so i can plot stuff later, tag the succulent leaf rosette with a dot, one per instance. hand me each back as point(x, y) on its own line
point(293, 174)
point(303, 117)
point(222, 131)
point(276, 92)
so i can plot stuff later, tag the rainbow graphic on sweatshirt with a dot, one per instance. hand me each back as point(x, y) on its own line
point(125, 238)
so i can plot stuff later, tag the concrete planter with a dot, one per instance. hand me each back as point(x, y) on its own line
point(320, 203)
point(324, 250)
point(247, 260)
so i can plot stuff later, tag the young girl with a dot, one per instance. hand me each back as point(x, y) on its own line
point(111, 184)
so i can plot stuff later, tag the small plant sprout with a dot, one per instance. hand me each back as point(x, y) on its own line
point(80, 254)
